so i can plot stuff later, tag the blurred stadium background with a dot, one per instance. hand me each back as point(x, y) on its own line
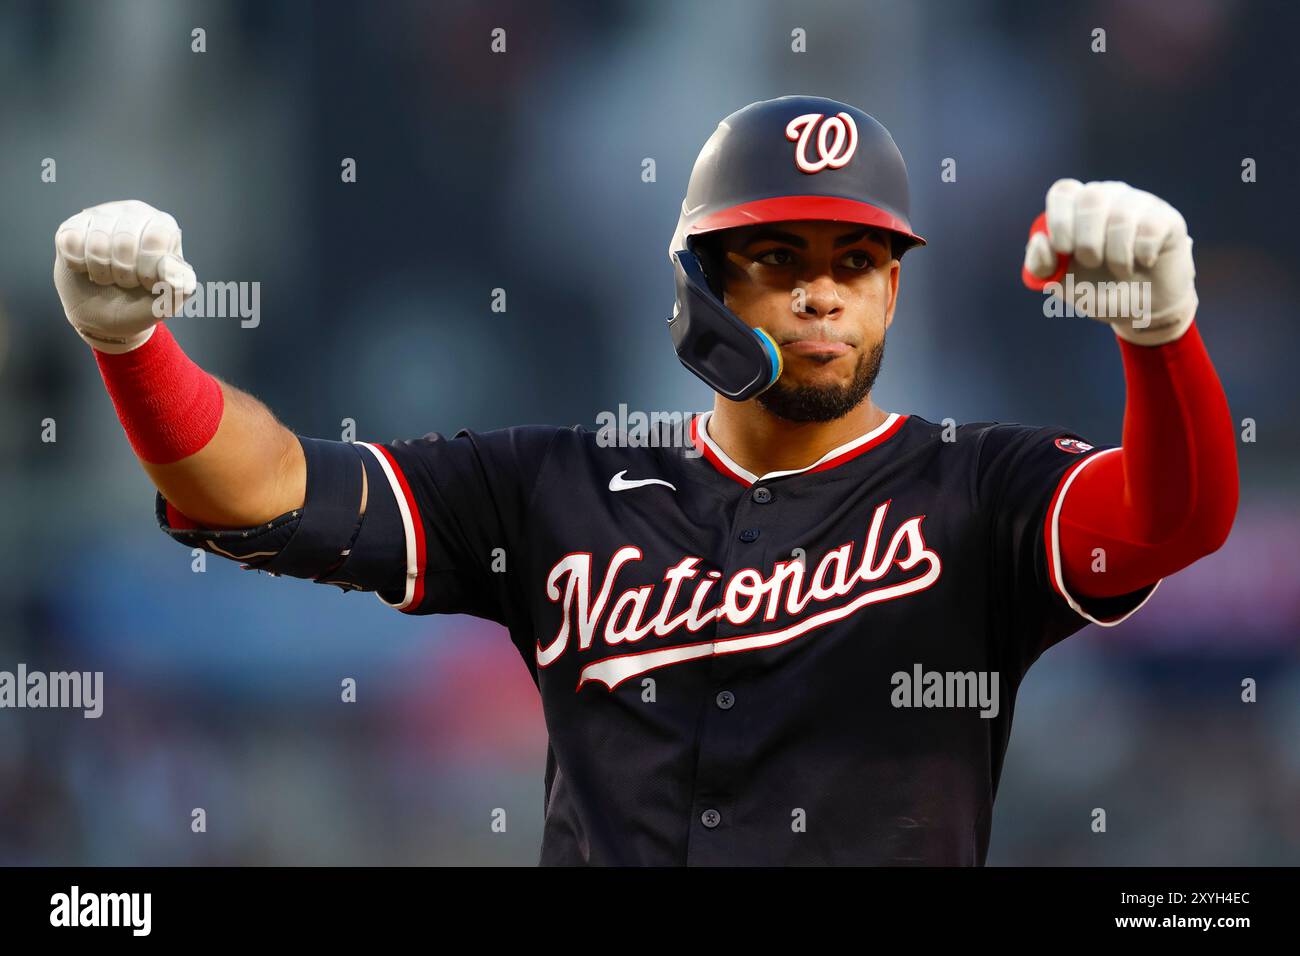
point(523, 171)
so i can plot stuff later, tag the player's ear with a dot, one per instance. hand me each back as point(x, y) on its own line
point(894, 269)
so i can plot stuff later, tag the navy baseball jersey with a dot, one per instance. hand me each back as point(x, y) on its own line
point(804, 667)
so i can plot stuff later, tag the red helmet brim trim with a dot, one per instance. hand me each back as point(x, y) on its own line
point(791, 208)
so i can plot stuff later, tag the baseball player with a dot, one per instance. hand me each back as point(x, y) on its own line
point(797, 637)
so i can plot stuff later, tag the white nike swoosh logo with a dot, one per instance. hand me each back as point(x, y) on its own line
point(693, 209)
point(619, 483)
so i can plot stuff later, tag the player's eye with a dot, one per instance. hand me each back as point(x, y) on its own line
point(776, 257)
point(859, 259)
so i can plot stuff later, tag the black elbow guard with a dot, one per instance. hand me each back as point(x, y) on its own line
point(313, 542)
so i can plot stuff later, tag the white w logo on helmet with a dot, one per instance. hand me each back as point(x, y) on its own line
point(829, 155)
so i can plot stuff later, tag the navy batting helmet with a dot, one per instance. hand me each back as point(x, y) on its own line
point(794, 157)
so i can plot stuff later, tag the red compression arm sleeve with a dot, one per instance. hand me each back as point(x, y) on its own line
point(1169, 495)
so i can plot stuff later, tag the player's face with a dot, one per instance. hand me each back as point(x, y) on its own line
point(826, 292)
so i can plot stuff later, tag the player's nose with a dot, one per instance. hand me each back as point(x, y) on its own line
point(819, 296)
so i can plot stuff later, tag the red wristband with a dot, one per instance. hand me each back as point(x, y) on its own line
point(169, 407)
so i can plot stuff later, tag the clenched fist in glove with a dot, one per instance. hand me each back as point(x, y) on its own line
point(119, 270)
point(1104, 233)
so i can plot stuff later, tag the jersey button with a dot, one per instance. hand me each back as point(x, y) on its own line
point(762, 495)
point(710, 818)
point(726, 700)
point(748, 535)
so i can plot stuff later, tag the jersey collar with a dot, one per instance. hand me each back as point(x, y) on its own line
point(836, 456)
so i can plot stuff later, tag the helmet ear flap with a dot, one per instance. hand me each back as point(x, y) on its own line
point(714, 343)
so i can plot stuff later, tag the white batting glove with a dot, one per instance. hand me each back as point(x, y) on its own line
point(119, 271)
point(1113, 233)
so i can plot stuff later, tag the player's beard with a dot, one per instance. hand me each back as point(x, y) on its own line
point(825, 403)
